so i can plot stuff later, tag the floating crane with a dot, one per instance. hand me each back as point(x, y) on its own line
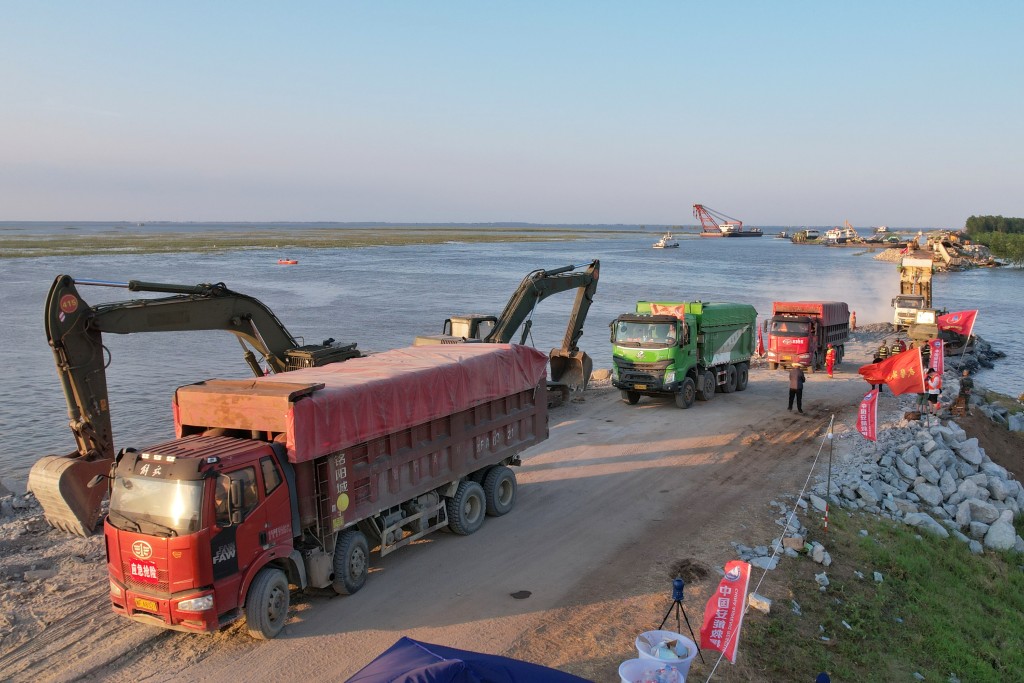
point(716, 224)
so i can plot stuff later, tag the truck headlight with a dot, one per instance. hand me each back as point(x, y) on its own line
point(197, 604)
point(670, 376)
point(615, 371)
point(115, 590)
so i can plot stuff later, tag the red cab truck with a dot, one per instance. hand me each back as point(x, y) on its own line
point(291, 479)
point(800, 332)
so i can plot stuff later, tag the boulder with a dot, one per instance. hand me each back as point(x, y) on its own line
point(1001, 535)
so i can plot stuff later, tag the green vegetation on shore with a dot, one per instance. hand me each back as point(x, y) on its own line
point(938, 611)
point(1003, 236)
point(116, 242)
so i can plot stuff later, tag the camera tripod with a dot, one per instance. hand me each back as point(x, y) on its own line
point(677, 605)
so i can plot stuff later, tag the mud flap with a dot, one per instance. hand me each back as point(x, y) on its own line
point(571, 369)
point(59, 483)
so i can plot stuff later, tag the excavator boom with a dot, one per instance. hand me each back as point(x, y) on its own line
point(75, 333)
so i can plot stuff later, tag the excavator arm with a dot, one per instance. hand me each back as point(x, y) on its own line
point(75, 330)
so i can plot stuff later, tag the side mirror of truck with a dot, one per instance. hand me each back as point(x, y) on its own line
point(235, 502)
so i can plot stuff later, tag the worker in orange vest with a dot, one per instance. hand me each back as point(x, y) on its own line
point(853, 321)
point(830, 359)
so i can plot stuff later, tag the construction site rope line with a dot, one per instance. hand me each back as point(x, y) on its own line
point(775, 551)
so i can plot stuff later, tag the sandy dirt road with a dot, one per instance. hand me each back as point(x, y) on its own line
point(609, 508)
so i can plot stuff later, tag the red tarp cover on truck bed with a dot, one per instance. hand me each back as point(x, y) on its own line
point(363, 398)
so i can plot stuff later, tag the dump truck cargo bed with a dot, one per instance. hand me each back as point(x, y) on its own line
point(829, 312)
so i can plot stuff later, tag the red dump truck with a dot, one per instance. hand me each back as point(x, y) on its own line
point(800, 332)
point(291, 479)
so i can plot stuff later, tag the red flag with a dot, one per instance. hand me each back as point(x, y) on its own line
point(867, 416)
point(723, 615)
point(760, 343)
point(937, 355)
point(903, 373)
point(961, 322)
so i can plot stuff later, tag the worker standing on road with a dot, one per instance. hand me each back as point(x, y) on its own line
point(883, 350)
point(853, 320)
point(796, 387)
point(897, 347)
point(830, 359)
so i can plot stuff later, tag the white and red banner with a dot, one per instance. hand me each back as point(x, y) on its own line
point(903, 373)
point(961, 322)
point(937, 355)
point(867, 416)
point(760, 343)
point(723, 615)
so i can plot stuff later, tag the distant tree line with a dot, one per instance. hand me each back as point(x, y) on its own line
point(1003, 236)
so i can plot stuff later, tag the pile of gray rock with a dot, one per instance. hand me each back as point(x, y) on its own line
point(931, 477)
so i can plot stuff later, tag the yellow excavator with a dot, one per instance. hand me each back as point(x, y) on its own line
point(570, 367)
point(75, 332)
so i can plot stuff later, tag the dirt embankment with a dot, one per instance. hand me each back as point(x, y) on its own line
point(617, 502)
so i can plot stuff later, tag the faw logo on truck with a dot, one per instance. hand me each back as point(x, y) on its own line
point(224, 553)
point(142, 550)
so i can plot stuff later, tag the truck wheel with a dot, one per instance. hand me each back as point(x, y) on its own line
point(466, 508)
point(707, 390)
point(266, 605)
point(742, 376)
point(500, 490)
point(630, 397)
point(814, 363)
point(774, 366)
point(479, 475)
point(686, 394)
point(730, 379)
point(351, 562)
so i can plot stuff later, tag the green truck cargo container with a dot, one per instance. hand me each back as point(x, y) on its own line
point(686, 349)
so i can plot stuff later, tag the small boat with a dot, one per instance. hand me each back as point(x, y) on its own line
point(667, 241)
point(287, 261)
point(881, 229)
point(782, 235)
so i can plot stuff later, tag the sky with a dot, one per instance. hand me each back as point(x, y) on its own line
point(907, 114)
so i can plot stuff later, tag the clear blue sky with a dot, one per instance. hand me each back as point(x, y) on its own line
point(777, 113)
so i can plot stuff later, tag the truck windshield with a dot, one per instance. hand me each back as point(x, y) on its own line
point(163, 507)
point(647, 335)
point(909, 303)
point(784, 328)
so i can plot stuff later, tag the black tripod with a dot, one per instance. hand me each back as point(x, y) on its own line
point(678, 588)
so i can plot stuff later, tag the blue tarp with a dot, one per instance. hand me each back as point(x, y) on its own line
point(410, 661)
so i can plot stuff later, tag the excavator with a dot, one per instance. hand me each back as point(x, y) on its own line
point(75, 332)
point(570, 367)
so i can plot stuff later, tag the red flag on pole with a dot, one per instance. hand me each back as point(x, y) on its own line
point(961, 322)
point(937, 355)
point(867, 416)
point(723, 615)
point(903, 373)
point(760, 343)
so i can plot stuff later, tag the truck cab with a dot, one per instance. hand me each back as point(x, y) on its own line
point(792, 339)
point(191, 523)
point(907, 307)
point(651, 354)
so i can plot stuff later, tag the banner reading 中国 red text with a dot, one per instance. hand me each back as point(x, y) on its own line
point(961, 322)
point(867, 416)
point(937, 355)
point(723, 615)
point(903, 373)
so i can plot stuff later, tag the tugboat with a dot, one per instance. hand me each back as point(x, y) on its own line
point(667, 241)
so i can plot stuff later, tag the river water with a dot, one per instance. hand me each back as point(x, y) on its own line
point(381, 297)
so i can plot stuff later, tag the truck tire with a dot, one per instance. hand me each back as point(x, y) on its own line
point(351, 562)
point(630, 397)
point(742, 376)
point(730, 379)
point(707, 390)
point(466, 508)
point(814, 363)
point(500, 490)
point(266, 605)
point(774, 366)
point(686, 394)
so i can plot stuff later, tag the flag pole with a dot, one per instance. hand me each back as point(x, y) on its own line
point(828, 483)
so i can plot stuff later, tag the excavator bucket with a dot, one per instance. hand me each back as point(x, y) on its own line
point(570, 368)
point(60, 484)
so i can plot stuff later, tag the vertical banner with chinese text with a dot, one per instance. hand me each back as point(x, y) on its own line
point(937, 355)
point(723, 615)
point(867, 416)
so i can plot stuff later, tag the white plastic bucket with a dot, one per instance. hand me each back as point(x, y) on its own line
point(685, 649)
point(638, 670)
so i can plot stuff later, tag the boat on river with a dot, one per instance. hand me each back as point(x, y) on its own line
point(667, 241)
point(287, 262)
point(881, 229)
point(782, 235)
point(841, 235)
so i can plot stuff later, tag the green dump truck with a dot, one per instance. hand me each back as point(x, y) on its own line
point(686, 349)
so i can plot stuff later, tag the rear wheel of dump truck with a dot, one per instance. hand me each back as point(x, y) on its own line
point(686, 394)
point(742, 376)
point(351, 562)
point(630, 397)
point(500, 490)
point(707, 386)
point(466, 508)
point(730, 379)
point(773, 366)
point(266, 605)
